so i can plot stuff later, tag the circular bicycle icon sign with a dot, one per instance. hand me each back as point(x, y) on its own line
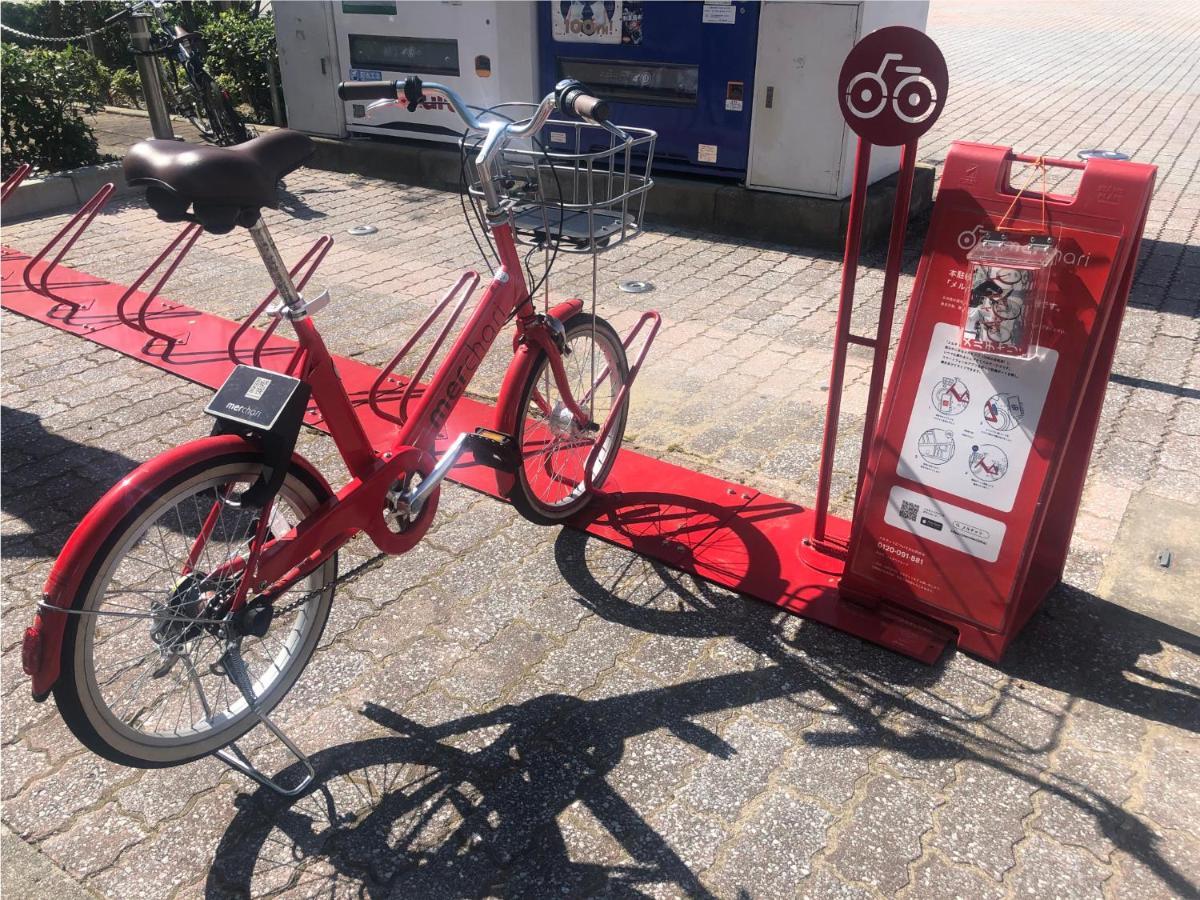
point(893, 86)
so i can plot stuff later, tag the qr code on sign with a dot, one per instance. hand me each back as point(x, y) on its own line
point(909, 510)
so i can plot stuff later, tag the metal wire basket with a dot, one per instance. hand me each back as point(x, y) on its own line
point(579, 186)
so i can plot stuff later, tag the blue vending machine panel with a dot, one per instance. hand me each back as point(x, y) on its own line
point(685, 69)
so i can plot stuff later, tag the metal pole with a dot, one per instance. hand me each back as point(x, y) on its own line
point(887, 305)
point(160, 119)
point(273, 80)
point(858, 199)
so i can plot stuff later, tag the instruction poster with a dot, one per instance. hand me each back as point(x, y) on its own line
point(972, 426)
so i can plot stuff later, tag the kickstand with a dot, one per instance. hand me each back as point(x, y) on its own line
point(232, 755)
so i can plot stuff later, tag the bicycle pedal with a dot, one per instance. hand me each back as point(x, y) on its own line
point(493, 449)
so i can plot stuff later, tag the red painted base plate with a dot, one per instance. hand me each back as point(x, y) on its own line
point(718, 530)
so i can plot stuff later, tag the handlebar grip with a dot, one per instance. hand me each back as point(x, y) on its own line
point(573, 97)
point(368, 90)
point(588, 107)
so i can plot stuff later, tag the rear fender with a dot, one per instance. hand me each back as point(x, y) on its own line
point(41, 654)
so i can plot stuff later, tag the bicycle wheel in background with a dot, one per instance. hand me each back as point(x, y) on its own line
point(553, 448)
point(150, 689)
point(227, 125)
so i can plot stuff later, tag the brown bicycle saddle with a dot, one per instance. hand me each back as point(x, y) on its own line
point(225, 186)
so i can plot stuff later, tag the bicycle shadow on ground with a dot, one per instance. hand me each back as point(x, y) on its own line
point(295, 204)
point(499, 803)
point(50, 478)
point(50, 483)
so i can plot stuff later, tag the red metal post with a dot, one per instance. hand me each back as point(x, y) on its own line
point(887, 305)
point(858, 199)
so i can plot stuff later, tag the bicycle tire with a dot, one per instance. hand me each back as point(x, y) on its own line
point(535, 488)
point(228, 127)
point(78, 692)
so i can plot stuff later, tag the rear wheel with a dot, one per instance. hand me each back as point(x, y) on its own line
point(553, 447)
point(148, 686)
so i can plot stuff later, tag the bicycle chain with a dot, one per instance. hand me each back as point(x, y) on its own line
point(345, 576)
point(58, 40)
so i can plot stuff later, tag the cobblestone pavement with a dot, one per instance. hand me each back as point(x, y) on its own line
point(528, 712)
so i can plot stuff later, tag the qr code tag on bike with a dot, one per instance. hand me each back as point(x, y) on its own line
point(252, 396)
point(1006, 288)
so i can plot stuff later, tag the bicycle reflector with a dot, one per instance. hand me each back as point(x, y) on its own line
point(31, 650)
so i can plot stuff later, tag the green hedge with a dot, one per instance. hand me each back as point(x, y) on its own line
point(239, 50)
point(45, 93)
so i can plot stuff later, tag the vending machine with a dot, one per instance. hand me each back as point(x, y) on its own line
point(684, 69)
point(484, 50)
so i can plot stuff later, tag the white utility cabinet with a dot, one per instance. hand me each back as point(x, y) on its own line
point(486, 51)
point(799, 142)
point(308, 66)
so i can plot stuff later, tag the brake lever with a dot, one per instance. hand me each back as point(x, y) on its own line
point(380, 104)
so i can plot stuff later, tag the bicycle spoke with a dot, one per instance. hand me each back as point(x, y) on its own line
point(158, 674)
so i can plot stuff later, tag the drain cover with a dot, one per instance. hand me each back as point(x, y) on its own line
point(359, 230)
point(1102, 154)
point(635, 287)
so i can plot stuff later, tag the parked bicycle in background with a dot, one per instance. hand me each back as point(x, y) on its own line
point(188, 88)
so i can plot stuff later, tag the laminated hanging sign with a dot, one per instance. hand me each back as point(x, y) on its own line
point(977, 465)
point(1002, 312)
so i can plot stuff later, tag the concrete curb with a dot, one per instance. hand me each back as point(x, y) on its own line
point(714, 207)
point(37, 196)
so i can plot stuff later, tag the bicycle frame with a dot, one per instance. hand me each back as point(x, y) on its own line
point(374, 471)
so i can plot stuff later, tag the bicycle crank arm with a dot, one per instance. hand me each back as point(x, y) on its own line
point(489, 448)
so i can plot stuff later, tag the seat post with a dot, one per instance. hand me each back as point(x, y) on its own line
point(276, 267)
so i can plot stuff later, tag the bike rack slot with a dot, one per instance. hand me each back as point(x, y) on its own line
point(78, 224)
point(13, 181)
point(301, 273)
point(180, 247)
point(623, 394)
point(469, 281)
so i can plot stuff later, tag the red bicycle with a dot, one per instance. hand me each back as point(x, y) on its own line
point(190, 598)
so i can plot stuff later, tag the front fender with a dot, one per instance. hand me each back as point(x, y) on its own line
point(42, 649)
point(507, 403)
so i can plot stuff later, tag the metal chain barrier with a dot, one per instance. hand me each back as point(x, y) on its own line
point(58, 40)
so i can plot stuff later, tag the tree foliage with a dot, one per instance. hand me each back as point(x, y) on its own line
point(45, 93)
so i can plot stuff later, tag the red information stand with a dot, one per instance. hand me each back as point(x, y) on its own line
point(976, 470)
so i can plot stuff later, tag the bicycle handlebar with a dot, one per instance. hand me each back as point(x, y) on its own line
point(569, 95)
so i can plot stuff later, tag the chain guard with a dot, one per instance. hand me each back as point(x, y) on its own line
point(405, 463)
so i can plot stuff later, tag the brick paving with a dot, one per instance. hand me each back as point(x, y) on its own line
point(525, 712)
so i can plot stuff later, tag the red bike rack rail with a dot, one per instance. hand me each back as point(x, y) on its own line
point(301, 273)
point(13, 181)
point(76, 226)
point(180, 247)
point(623, 394)
point(465, 286)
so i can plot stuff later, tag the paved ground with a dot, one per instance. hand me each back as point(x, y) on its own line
point(522, 712)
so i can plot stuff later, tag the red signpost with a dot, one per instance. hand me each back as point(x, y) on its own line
point(891, 90)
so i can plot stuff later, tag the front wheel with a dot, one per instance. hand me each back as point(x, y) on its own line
point(144, 680)
point(553, 448)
